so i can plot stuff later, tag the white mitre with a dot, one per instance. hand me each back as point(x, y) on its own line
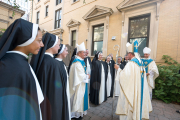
point(146, 50)
point(129, 47)
point(81, 47)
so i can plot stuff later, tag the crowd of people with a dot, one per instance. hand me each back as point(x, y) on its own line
point(46, 89)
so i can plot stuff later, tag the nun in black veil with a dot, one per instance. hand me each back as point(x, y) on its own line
point(98, 87)
point(55, 104)
point(20, 92)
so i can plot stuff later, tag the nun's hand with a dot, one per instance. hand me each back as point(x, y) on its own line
point(116, 66)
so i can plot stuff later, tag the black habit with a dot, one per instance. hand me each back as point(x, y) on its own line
point(89, 60)
point(95, 81)
point(121, 66)
point(124, 62)
point(55, 104)
point(18, 93)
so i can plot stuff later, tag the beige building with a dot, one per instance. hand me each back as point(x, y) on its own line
point(101, 24)
point(6, 15)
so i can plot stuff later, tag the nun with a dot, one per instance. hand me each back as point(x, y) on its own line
point(109, 76)
point(119, 62)
point(20, 92)
point(73, 57)
point(62, 53)
point(98, 87)
point(55, 104)
point(112, 70)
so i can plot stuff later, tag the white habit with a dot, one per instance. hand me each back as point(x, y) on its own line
point(102, 87)
point(109, 81)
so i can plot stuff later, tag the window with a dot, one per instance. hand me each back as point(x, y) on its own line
point(37, 21)
point(139, 30)
point(73, 40)
point(47, 7)
point(58, 19)
point(97, 40)
point(58, 2)
point(38, 0)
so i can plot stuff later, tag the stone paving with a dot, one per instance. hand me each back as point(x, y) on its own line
point(161, 111)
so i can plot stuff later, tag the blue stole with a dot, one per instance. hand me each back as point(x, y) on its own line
point(146, 63)
point(142, 83)
point(86, 86)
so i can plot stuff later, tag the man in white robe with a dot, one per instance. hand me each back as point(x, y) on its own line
point(134, 101)
point(151, 69)
point(78, 82)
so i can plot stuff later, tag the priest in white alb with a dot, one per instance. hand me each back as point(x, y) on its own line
point(134, 101)
point(151, 69)
point(78, 82)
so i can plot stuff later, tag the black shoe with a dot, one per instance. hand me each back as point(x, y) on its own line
point(80, 118)
point(178, 111)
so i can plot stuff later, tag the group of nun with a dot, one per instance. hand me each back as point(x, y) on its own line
point(46, 90)
point(40, 90)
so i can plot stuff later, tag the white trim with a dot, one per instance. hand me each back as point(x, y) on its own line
point(99, 54)
point(62, 49)
point(55, 42)
point(39, 91)
point(79, 58)
point(34, 34)
point(58, 59)
point(18, 52)
point(49, 54)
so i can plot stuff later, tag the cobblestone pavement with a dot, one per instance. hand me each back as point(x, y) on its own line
point(161, 111)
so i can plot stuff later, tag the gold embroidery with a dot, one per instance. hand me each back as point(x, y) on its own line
point(136, 46)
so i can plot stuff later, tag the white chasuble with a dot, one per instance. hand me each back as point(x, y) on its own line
point(152, 69)
point(134, 101)
point(78, 89)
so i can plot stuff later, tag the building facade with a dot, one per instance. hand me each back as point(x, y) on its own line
point(6, 15)
point(23, 5)
point(102, 24)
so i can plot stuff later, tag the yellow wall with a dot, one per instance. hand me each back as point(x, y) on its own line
point(168, 33)
point(46, 23)
point(4, 15)
point(78, 10)
point(169, 30)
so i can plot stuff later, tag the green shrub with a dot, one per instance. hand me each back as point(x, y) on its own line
point(167, 85)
